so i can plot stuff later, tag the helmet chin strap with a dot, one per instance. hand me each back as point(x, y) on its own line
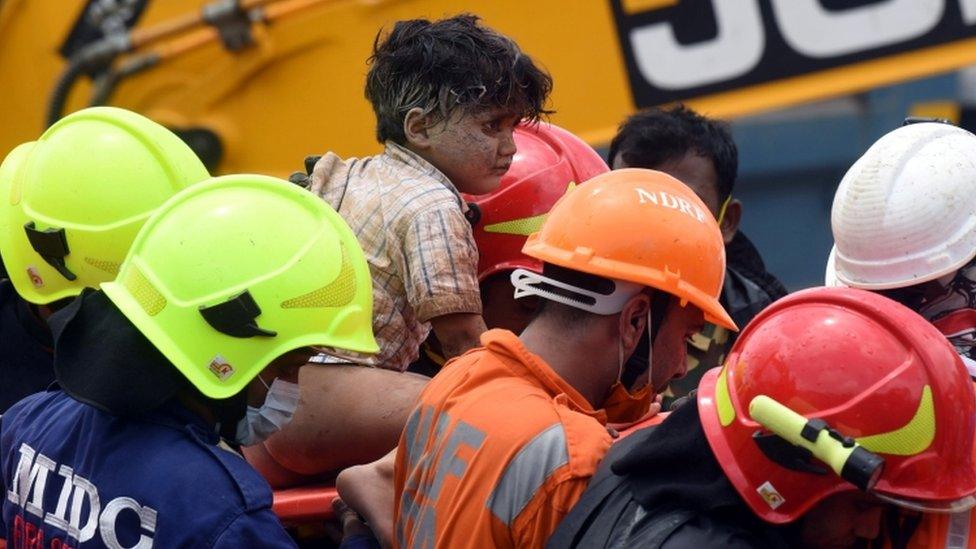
point(650, 351)
point(620, 358)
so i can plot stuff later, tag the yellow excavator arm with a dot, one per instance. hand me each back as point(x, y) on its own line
point(254, 85)
point(255, 88)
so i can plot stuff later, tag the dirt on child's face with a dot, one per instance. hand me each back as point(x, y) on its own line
point(475, 149)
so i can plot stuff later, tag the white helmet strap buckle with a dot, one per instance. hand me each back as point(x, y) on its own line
point(529, 283)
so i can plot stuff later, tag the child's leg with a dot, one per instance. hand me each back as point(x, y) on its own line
point(347, 415)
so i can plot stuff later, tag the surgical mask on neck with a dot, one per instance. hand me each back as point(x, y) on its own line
point(279, 407)
point(622, 406)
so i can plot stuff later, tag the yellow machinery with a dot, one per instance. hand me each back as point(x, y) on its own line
point(297, 87)
point(255, 85)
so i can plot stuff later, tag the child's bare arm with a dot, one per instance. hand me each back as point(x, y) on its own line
point(458, 332)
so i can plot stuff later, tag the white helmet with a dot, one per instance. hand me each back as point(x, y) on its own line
point(905, 213)
point(830, 274)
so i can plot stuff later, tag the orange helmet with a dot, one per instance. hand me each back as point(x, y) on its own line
point(866, 369)
point(550, 161)
point(643, 227)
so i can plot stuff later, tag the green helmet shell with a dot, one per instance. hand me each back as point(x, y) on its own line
point(81, 193)
point(14, 161)
point(232, 273)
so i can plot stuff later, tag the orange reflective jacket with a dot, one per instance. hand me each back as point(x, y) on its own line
point(496, 453)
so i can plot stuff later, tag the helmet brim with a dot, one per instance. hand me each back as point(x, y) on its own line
point(653, 278)
point(942, 507)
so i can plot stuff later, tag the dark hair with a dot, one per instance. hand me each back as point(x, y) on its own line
point(656, 136)
point(444, 65)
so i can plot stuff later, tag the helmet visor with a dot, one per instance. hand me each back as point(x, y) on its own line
point(955, 506)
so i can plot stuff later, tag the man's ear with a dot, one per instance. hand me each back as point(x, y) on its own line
point(633, 321)
point(416, 128)
point(617, 162)
point(730, 223)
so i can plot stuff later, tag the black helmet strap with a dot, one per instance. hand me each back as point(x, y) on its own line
point(236, 317)
point(52, 245)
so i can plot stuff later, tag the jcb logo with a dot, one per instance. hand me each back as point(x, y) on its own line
point(686, 48)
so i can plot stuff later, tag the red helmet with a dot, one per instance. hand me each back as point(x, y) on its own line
point(549, 161)
point(873, 371)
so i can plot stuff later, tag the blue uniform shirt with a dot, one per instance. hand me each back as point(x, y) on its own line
point(75, 476)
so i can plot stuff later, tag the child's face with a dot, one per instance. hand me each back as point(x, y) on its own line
point(473, 149)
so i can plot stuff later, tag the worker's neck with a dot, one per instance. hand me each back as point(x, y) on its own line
point(581, 358)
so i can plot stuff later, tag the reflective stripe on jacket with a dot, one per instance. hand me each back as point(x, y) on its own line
point(496, 453)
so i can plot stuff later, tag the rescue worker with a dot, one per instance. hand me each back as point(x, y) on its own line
point(833, 402)
point(72, 202)
point(447, 96)
point(550, 163)
point(902, 224)
point(700, 152)
point(903, 227)
point(200, 336)
point(505, 438)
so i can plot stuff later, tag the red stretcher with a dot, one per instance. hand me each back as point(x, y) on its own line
point(307, 504)
point(304, 504)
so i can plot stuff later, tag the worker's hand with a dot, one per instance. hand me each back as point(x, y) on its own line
point(655, 409)
point(458, 333)
point(324, 165)
point(369, 490)
point(690, 397)
point(352, 524)
point(304, 179)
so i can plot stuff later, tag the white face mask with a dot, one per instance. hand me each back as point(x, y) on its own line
point(278, 408)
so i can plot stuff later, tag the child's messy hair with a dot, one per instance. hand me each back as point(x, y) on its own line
point(449, 64)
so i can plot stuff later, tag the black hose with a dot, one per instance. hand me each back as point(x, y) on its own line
point(105, 84)
point(63, 86)
point(103, 87)
point(93, 58)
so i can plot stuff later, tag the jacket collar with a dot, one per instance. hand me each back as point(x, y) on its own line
point(509, 348)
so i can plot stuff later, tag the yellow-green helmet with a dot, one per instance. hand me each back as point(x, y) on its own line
point(78, 195)
point(234, 272)
point(8, 169)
